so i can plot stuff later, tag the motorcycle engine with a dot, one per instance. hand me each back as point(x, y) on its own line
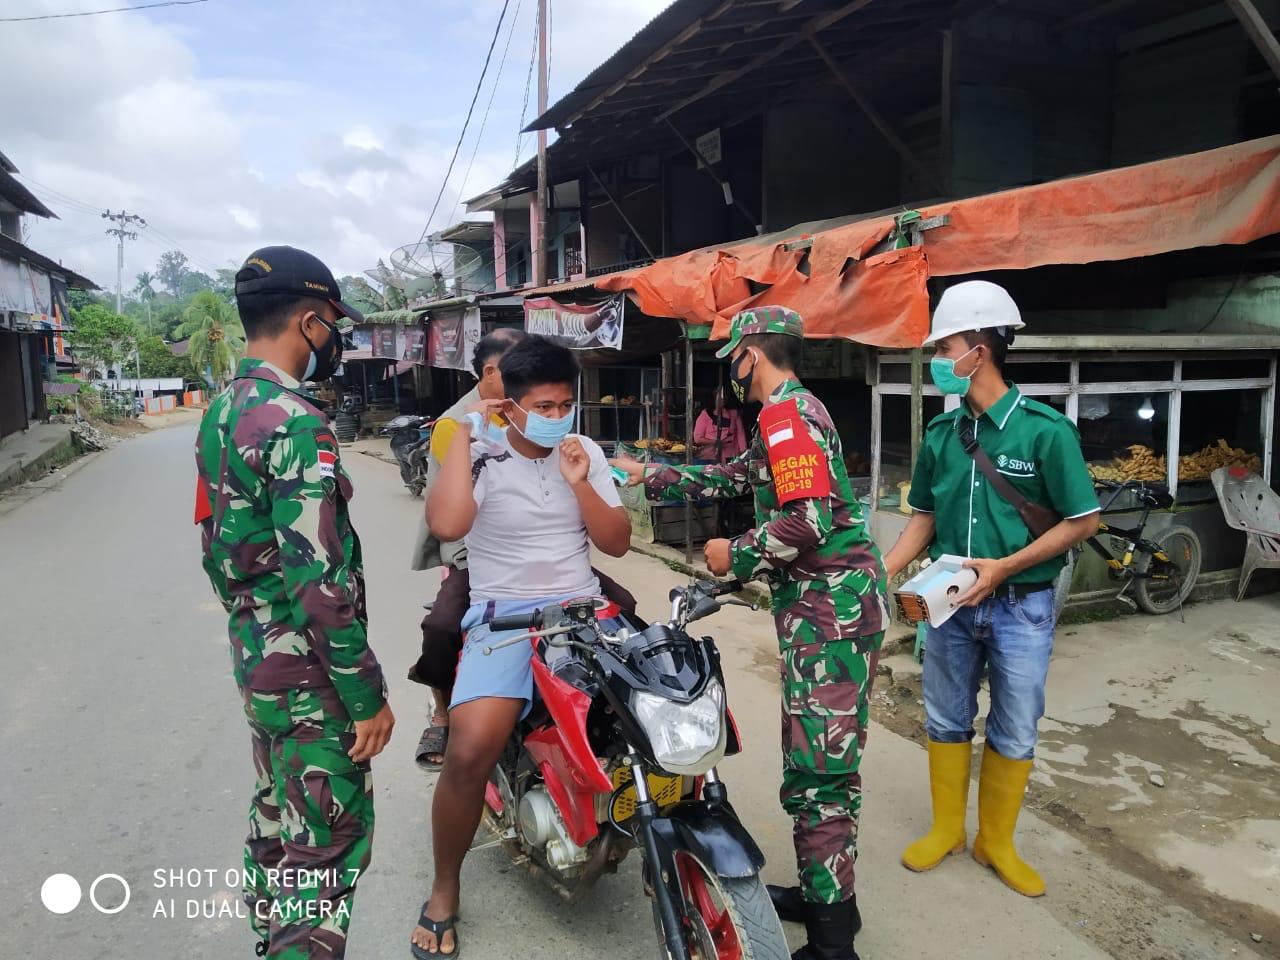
point(543, 829)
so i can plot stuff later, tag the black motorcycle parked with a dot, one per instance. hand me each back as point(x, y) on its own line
point(411, 444)
point(620, 751)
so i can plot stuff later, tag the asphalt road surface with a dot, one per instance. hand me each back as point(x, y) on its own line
point(124, 752)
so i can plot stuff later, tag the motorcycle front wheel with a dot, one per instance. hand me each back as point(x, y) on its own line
point(726, 918)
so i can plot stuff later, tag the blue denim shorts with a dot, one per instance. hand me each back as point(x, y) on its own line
point(1011, 635)
point(505, 673)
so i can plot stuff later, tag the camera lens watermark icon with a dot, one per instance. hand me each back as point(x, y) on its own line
point(61, 893)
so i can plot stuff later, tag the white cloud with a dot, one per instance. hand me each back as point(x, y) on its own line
point(224, 149)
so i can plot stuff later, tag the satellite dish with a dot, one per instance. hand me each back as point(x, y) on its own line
point(448, 267)
point(387, 277)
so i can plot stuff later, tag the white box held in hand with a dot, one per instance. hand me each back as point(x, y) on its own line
point(934, 593)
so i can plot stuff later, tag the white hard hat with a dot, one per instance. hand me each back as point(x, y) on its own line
point(974, 305)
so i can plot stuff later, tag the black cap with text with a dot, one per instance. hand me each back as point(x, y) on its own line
point(284, 269)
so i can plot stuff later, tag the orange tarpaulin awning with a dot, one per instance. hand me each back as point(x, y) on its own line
point(1230, 195)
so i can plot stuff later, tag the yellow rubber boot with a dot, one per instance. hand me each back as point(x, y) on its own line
point(949, 786)
point(1001, 788)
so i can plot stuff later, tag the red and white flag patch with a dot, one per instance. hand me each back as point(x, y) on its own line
point(328, 461)
point(779, 433)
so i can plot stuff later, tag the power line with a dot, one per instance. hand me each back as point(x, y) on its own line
point(95, 13)
point(466, 177)
point(528, 84)
point(465, 123)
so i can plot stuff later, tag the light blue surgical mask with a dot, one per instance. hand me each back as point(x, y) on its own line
point(484, 428)
point(943, 371)
point(544, 431)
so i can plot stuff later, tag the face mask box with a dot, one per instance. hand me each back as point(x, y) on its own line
point(933, 594)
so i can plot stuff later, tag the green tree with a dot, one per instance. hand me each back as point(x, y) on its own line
point(224, 284)
point(102, 338)
point(157, 360)
point(171, 268)
point(360, 293)
point(193, 282)
point(217, 338)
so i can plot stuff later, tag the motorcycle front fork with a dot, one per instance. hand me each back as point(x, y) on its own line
point(664, 879)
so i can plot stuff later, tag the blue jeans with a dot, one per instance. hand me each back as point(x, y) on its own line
point(1014, 637)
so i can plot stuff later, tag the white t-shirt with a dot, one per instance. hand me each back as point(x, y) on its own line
point(528, 540)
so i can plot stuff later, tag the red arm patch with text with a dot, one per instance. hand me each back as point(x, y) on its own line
point(799, 466)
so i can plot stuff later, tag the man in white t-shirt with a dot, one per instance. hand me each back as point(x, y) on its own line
point(531, 501)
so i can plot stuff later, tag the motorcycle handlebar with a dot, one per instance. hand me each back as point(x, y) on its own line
point(515, 621)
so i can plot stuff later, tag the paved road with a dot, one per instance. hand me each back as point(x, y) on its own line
point(123, 751)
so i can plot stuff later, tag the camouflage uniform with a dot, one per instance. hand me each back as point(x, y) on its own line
point(827, 587)
point(280, 552)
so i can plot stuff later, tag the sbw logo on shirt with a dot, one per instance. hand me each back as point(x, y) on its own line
point(1022, 466)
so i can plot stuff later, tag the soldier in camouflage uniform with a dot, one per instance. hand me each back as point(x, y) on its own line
point(827, 586)
point(279, 549)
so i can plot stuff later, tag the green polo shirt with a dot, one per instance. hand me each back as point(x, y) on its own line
point(1034, 446)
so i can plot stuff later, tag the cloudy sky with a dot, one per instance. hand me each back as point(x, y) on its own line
point(231, 124)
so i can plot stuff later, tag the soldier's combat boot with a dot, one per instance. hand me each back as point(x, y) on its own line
point(949, 786)
point(791, 907)
point(1000, 791)
point(831, 928)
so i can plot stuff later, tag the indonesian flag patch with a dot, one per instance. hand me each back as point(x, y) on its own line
point(800, 469)
point(328, 460)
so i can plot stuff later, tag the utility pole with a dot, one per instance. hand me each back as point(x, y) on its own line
point(121, 231)
point(539, 243)
point(123, 221)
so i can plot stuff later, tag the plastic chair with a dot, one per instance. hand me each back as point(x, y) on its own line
point(1250, 505)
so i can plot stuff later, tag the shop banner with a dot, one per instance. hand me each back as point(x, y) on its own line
point(453, 335)
point(415, 345)
point(384, 341)
point(582, 326)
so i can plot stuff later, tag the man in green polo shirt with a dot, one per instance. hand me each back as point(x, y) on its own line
point(1008, 619)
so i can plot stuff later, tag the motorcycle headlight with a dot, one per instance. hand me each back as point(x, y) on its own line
point(687, 738)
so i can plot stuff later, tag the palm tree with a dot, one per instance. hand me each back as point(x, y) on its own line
point(146, 293)
point(217, 337)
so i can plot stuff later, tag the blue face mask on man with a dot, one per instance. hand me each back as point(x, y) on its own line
point(544, 431)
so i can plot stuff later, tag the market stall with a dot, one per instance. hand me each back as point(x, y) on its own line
point(1161, 408)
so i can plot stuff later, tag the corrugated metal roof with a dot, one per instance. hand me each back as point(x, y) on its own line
point(20, 251)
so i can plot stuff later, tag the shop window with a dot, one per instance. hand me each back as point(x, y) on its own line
point(1036, 371)
point(1226, 368)
point(1220, 428)
point(1125, 436)
point(1131, 371)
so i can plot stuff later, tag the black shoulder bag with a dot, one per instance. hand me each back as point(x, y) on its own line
point(1039, 520)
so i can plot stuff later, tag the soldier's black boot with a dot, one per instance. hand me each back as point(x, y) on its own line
point(831, 928)
point(790, 905)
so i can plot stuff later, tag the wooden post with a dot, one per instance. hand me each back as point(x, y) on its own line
point(877, 416)
point(539, 239)
point(917, 404)
point(688, 443)
point(874, 116)
point(617, 206)
point(1256, 27)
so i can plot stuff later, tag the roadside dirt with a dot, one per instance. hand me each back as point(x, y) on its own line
point(1099, 782)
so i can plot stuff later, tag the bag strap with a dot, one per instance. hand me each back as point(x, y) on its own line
point(1039, 519)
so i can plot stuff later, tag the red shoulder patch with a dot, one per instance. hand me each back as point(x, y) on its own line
point(800, 468)
point(204, 509)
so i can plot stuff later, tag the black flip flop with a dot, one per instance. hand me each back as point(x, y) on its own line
point(434, 740)
point(439, 928)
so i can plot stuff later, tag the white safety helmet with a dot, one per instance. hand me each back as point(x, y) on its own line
point(974, 305)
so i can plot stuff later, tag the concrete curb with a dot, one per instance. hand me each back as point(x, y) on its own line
point(63, 452)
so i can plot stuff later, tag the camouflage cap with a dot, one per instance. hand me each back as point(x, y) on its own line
point(762, 320)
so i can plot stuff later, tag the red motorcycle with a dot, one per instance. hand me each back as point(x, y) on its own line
point(620, 751)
